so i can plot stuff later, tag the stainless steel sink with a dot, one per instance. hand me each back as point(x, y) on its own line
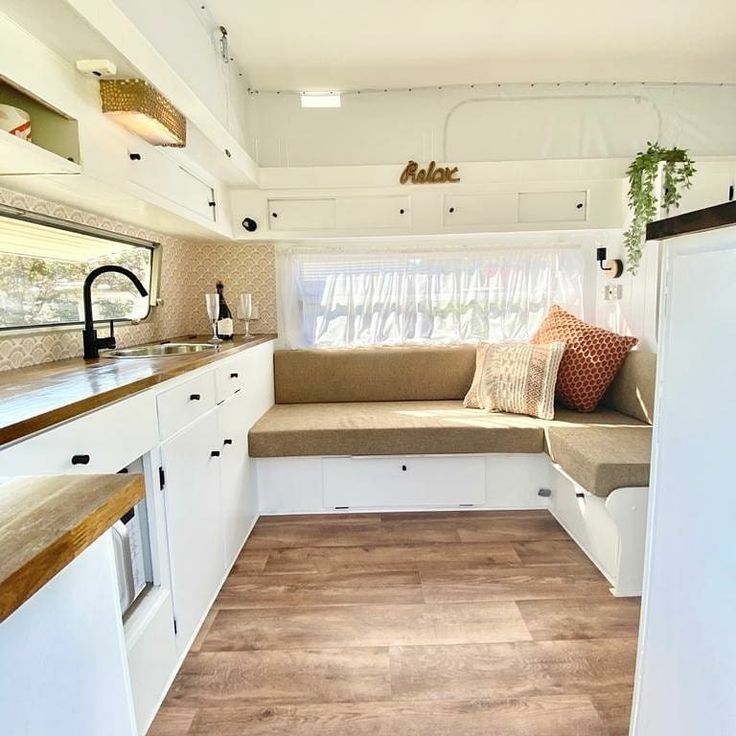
point(160, 351)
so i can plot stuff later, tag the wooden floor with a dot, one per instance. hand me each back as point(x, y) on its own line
point(419, 624)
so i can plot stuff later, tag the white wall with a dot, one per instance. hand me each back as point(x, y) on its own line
point(494, 123)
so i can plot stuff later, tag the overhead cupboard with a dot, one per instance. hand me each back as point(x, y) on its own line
point(188, 435)
point(450, 209)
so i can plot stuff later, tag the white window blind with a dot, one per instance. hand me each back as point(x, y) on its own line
point(345, 297)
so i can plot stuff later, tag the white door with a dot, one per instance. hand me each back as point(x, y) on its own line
point(687, 659)
point(193, 511)
point(238, 508)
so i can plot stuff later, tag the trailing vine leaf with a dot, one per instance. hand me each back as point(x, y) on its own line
point(642, 172)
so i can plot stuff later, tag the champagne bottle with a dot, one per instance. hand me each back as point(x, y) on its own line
point(225, 323)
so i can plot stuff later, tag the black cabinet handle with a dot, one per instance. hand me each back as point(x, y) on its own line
point(215, 453)
point(579, 495)
point(80, 459)
point(194, 397)
point(403, 467)
point(233, 375)
point(227, 442)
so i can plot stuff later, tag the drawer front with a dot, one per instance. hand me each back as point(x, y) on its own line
point(385, 482)
point(183, 404)
point(104, 441)
point(587, 520)
point(229, 378)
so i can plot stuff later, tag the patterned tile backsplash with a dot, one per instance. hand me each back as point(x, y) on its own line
point(189, 269)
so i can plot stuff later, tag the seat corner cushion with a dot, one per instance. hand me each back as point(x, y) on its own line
point(602, 457)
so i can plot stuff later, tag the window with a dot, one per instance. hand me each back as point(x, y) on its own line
point(43, 264)
point(340, 297)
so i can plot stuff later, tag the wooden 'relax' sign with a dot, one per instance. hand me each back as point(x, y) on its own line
point(433, 174)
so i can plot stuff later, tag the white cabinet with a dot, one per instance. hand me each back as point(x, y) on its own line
point(466, 210)
point(63, 667)
point(238, 497)
point(161, 175)
point(191, 461)
point(553, 207)
point(713, 183)
point(361, 213)
point(301, 214)
point(393, 482)
point(104, 441)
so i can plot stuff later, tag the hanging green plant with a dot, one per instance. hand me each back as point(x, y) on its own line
point(642, 172)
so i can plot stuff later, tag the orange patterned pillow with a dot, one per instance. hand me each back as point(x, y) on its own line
point(591, 360)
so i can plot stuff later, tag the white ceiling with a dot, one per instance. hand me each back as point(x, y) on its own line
point(352, 44)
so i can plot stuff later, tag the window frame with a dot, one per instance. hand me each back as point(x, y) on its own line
point(74, 227)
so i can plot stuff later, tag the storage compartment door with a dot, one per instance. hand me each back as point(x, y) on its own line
point(301, 214)
point(479, 209)
point(396, 482)
point(553, 206)
point(361, 213)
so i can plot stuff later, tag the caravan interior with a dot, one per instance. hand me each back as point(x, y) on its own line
point(367, 368)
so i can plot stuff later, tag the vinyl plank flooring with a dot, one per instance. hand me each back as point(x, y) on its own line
point(361, 626)
point(268, 677)
point(570, 715)
point(551, 552)
point(326, 532)
point(582, 618)
point(614, 709)
point(512, 528)
point(277, 591)
point(251, 561)
point(517, 669)
point(421, 624)
point(389, 558)
point(524, 582)
point(172, 721)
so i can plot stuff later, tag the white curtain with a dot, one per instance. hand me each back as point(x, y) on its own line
point(335, 297)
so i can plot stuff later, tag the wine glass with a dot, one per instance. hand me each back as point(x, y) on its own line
point(213, 312)
point(245, 311)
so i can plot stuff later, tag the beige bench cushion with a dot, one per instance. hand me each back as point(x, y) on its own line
point(632, 390)
point(601, 455)
point(414, 373)
point(390, 428)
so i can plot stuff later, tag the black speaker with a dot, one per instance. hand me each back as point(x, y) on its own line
point(250, 224)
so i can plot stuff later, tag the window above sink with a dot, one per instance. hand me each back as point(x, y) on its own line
point(43, 264)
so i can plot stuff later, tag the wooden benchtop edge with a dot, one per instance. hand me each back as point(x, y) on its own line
point(38, 397)
point(48, 521)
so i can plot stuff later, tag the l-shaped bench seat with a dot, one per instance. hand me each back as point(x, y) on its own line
point(385, 428)
point(346, 402)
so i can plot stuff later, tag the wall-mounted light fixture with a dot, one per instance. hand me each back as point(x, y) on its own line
point(144, 111)
point(332, 99)
point(614, 268)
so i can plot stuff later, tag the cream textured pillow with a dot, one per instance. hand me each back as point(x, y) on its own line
point(472, 398)
point(521, 378)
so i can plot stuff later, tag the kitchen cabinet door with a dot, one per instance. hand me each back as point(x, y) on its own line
point(238, 503)
point(193, 515)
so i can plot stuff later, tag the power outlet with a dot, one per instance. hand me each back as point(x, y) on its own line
point(612, 292)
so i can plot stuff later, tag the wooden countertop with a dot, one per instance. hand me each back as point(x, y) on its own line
point(45, 522)
point(37, 397)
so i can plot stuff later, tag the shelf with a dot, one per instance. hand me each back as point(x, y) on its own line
point(21, 157)
point(55, 138)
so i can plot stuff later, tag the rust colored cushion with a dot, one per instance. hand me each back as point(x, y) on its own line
point(591, 360)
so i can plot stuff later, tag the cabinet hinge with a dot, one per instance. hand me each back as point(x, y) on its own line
point(176, 631)
point(161, 477)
